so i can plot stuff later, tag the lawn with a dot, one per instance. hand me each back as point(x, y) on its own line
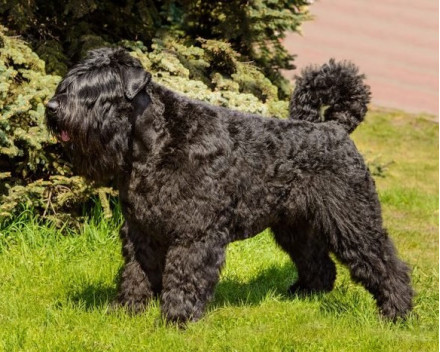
point(56, 290)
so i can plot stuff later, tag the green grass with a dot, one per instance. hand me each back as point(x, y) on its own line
point(55, 289)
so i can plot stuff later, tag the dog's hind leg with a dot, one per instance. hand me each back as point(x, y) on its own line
point(191, 273)
point(372, 260)
point(357, 238)
point(316, 270)
point(141, 276)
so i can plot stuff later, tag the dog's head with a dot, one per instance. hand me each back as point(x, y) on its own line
point(92, 110)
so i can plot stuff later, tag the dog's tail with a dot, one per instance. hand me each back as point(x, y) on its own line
point(334, 91)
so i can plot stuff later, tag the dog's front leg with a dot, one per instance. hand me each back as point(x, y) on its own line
point(141, 275)
point(191, 273)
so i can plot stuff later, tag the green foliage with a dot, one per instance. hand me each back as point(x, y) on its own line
point(254, 28)
point(63, 31)
point(212, 72)
point(33, 170)
point(23, 88)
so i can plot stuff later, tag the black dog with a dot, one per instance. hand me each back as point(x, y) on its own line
point(193, 177)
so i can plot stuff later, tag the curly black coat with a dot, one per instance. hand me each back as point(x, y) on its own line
point(193, 177)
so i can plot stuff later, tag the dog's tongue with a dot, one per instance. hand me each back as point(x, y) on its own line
point(64, 136)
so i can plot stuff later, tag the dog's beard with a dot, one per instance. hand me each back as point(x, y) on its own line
point(92, 164)
point(59, 132)
point(97, 154)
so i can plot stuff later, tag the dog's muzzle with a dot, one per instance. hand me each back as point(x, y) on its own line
point(51, 118)
point(52, 106)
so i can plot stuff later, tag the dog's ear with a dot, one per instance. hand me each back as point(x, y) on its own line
point(134, 79)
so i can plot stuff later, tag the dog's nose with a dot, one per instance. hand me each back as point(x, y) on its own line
point(52, 105)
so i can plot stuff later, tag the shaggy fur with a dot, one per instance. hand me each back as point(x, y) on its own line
point(193, 177)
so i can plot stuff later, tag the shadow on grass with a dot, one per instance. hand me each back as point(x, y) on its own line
point(230, 291)
point(272, 281)
point(93, 296)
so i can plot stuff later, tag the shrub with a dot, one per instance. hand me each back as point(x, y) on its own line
point(33, 172)
point(60, 32)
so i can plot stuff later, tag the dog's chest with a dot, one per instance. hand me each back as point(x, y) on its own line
point(163, 203)
point(143, 201)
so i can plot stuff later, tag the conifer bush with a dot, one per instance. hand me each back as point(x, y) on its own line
point(60, 32)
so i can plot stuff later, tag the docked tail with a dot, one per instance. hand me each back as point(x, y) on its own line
point(335, 91)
